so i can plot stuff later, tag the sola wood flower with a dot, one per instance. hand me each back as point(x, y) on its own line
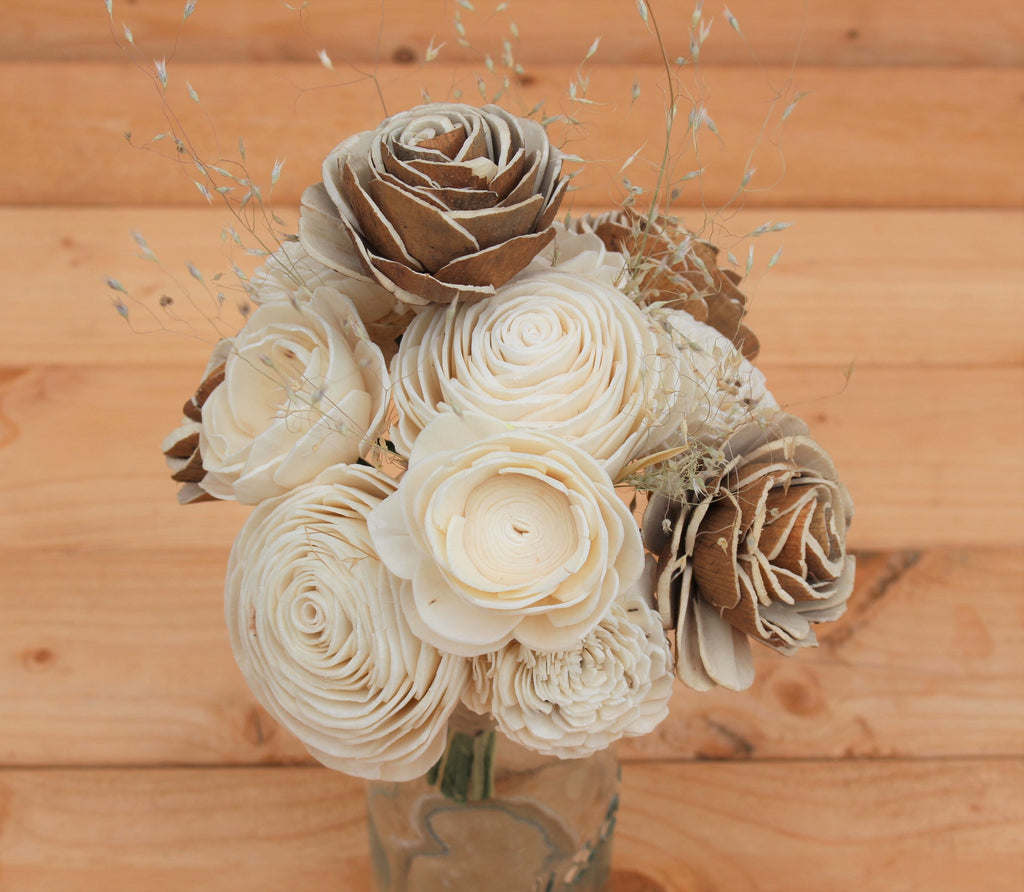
point(291, 275)
point(615, 682)
point(441, 201)
point(505, 533)
point(719, 388)
point(675, 267)
point(317, 631)
point(304, 388)
point(583, 254)
point(551, 351)
point(761, 555)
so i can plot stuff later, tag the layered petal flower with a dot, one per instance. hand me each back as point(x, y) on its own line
point(719, 388)
point(504, 534)
point(438, 202)
point(615, 682)
point(762, 555)
point(551, 351)
point(303, 389)
point(317, 630)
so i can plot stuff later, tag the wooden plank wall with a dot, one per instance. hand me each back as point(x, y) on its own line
point(132, 755)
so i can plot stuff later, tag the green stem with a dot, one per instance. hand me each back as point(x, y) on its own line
point(465, 771)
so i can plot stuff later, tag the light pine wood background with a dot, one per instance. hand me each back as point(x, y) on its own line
point(132, 756)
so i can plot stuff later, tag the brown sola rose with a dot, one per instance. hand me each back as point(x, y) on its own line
point(441, 201)
point(761, 554)
point(674, 267)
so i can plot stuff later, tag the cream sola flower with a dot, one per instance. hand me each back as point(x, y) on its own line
point(290, 274)
point(303, 388)
point(719, 388)
point(552, 351)
point(504, 533)
point(318, 632)
point(584, 254)
point(615, 682)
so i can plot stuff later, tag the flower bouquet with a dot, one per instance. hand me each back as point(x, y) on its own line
point(512, 476)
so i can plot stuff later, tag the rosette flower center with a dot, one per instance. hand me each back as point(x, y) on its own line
point(526, 334)
point(517, 529)
point(309, 617)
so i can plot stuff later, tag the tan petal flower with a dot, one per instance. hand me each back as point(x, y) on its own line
point(761, 556)
point(441, 201)
point(676, 268)
point(317, 630)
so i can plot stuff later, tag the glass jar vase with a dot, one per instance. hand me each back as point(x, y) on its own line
point(495, 817)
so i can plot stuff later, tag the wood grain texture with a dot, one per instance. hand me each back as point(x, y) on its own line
point(940, 288)
point(875, 137)
point(122, 658)
point(82, 467)
point(832, 32)
point(764, 827)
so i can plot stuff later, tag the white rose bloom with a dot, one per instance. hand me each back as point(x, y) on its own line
point(318, 633)
point(720, 389)
point(614, 683)
point(583, 254)
point(304, 389)
point(290, 274)
point(505, 534)
point(552, 351)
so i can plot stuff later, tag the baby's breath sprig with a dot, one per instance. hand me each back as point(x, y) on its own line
point(679, 474)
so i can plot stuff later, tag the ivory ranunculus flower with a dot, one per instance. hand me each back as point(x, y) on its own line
point(551, 351)
point(318, 632)
point(439, 202)
point(615, 682)
point(505, 534)
point(304, 388)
